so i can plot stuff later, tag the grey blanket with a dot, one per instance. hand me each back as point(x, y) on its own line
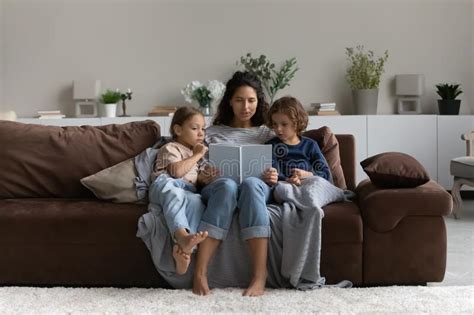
point(294, 247)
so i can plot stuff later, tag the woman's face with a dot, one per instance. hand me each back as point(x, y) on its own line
point(244, 104)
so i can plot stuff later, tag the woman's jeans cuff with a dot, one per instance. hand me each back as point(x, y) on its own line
point(256, 232)
point(213, 231)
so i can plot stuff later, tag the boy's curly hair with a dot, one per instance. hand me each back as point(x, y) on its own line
point(291, 107)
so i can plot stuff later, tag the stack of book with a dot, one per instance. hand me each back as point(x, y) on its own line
point(324, 109)
point(50, 114)
point(162, 111)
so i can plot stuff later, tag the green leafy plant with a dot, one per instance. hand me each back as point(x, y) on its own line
point(272, 80)
point(364, 69)
point(110, 97)
point(448, 91)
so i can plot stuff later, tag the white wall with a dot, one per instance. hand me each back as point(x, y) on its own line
point(156, 47)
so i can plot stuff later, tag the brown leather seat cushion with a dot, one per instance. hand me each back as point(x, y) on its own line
point(63, 221)
point(342, 223)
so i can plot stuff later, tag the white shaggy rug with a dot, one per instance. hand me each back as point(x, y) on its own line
point(396, 299)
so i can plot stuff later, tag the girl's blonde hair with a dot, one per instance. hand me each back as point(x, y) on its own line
point(181, 115)
point(291, 107)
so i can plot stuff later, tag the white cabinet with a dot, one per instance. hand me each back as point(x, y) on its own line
point(63, 122)
point(354, 125)
point(99, 121)
point(411, 134)
point(164, 122)
point(450, 145)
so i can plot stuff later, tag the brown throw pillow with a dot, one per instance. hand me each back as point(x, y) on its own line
point(330, 148)
point(115, 183)
point(395, 170)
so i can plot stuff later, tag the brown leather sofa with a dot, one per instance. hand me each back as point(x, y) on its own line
point(53, 231)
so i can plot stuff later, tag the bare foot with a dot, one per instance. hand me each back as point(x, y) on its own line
point(189, 241)
point(256, 287)
point(200, 286)
point(181, 259)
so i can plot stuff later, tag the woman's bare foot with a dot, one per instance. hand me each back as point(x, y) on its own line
point(256, 287)
point(187, 242)
point(181, 259)
point(200, 286)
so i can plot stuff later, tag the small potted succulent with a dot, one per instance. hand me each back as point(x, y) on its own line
point(448, 104)
point(110, 99)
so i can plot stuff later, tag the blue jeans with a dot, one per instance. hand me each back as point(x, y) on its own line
point(182, 208)
point(223, 195)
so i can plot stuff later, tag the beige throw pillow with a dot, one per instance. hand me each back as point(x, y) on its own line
point(115, 183)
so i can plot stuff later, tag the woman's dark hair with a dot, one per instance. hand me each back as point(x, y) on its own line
point(291, 107)
point(225, 113)
point(181, 115)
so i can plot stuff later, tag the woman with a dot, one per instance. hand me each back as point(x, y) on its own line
point(240, 119)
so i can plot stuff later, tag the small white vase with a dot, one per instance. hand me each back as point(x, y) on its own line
point(110, 110)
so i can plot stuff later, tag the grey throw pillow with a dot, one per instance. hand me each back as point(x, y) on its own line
point(115, 183)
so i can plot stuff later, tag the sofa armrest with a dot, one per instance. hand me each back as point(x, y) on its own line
point(382, 209)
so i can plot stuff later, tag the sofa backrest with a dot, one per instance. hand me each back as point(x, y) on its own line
point(347, 152)
point(339, 151)
point(39, 161)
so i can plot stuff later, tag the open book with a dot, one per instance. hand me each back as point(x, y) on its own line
point(240, 161)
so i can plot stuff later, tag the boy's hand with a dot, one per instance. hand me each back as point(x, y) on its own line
point(199, 149)
point(299, 173)
point(270, 176)
point(294, 180)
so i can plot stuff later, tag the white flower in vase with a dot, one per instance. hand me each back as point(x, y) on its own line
point(203, 94)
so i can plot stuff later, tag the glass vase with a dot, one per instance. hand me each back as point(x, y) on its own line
point(205, 109)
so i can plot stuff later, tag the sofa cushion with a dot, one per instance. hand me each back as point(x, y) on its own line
point(395, 170)
point(330, 148)
point(49, 161)
point(115, 183)
point(342, 223)
point(383, 209)
point(68, 221)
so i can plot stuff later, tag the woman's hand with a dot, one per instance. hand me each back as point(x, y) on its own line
point(300, 174)
point(270, 176)
point(207, 175)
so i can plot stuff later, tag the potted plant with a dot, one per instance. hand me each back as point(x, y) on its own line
point(110, 99)
point(363, 75)
point(272, 80)
point(204, 94)
point(448, 104)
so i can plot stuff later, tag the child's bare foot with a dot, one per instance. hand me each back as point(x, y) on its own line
point(181, 259)
point(256, 287)
point(188, 242)
point(200, 286)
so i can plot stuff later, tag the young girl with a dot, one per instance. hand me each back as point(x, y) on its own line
point(294, 156)
point(175, 172)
